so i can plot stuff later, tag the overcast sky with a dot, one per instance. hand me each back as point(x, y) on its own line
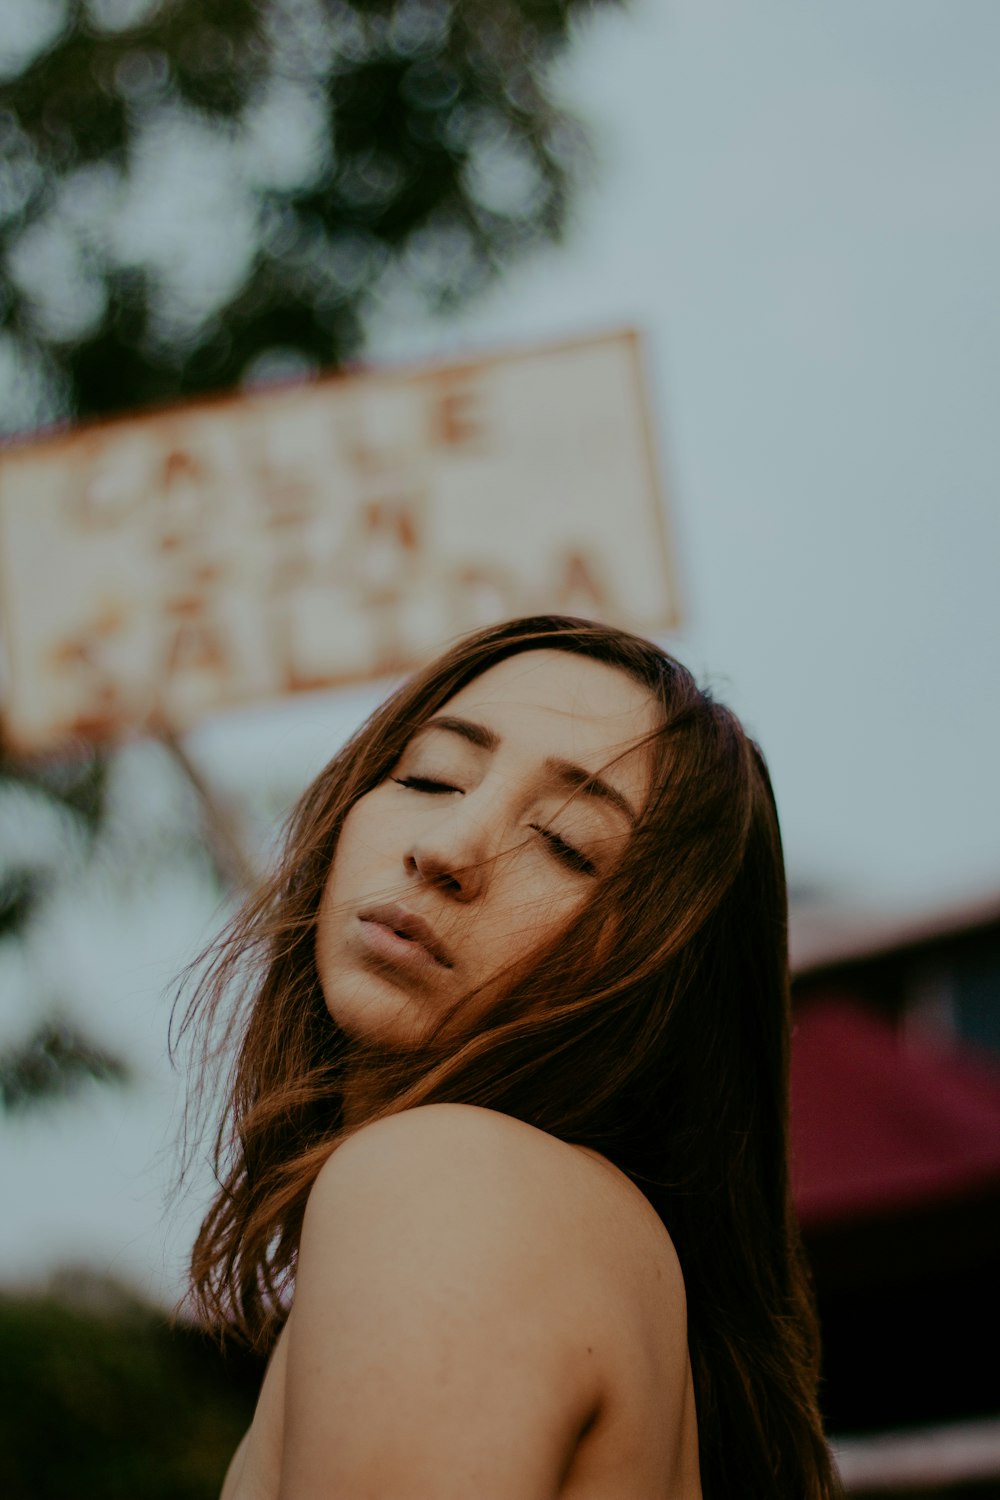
point(799, 206)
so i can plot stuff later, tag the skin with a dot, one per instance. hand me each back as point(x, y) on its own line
point(480, 1308)
point(489, 844)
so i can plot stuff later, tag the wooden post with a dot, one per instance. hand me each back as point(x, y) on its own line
point(223, 835)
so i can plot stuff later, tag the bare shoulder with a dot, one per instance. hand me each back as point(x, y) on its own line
point(507, 1185)
point(434, 1280)
point(452, 1133)
point(472, 1275)
point(512, 1189)
point(446, 1147)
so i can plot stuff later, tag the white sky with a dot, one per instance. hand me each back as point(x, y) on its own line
point(800, 208)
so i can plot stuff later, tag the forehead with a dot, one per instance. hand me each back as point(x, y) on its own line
point(559, 703)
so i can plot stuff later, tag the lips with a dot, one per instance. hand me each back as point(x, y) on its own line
point(407, 925)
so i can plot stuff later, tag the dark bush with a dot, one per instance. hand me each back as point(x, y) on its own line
point(101, 1397)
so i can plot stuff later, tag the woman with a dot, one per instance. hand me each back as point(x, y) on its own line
point(509, 1113)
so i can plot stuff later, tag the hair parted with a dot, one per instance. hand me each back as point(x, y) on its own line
point(665, 1048)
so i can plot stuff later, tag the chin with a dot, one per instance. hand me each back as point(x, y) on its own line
point(376, 1012)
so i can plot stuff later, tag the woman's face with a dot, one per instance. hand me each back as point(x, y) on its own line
point(484, 842)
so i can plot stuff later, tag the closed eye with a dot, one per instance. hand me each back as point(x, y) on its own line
point(565, 852)
point(424, 784)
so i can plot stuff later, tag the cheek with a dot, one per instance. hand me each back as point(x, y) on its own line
point(344, 880)
point(357, 849)
point(327, 940)
point(527, 918)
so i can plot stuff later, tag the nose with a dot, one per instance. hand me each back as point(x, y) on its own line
point(456, 856)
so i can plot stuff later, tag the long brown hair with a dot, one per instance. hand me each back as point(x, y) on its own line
point(665, 1049)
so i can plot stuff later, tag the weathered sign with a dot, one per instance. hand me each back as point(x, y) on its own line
point(158, 568)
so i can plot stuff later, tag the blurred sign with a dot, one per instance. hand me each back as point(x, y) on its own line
point(161, 567)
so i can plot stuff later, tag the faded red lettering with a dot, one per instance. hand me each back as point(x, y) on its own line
point(456, 418)
point(579, 585)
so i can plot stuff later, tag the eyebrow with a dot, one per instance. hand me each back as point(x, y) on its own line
point(477, 734)
point(575, 778)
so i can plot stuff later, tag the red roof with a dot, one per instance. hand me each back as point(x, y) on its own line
point(882, 1124)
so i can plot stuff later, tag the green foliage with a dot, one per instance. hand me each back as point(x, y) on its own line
point(343, 143)
point(56, 1060)
point(53, 1064)
point(99, 1397)
point(76, 780)
point(21, 890)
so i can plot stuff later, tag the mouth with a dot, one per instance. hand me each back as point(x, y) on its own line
point(397, 930)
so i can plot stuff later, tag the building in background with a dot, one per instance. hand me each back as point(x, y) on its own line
point(896, 1167)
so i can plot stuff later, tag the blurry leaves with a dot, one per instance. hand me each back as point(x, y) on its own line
point(99, 1396)
point(76, 782)
point(21, 890)
point(86, 841)
point(53, 1064)
point(56, 1059)
point(197, 191)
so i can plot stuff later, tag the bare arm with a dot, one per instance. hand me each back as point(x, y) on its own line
point(442, 1340)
